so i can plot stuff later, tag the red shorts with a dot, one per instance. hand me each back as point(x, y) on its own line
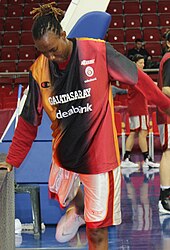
point(137, 123)
point(164, 131)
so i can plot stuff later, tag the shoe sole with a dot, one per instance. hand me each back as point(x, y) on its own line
point(162, 209)
point(150, 166)
point(129, 166)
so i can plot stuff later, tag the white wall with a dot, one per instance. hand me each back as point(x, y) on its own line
point(77, 8)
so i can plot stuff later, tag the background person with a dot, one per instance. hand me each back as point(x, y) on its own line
point(164, 129)
point(139, 122)
point(139, 49)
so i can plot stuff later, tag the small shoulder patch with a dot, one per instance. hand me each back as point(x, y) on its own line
point(45, 84)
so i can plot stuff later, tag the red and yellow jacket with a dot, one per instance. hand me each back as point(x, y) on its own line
point(78, 100)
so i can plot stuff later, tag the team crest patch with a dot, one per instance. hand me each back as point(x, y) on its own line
point(89, 71)
point(45, 84)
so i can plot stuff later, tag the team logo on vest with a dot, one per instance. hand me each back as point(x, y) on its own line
point(45, 85)
point(89, 71)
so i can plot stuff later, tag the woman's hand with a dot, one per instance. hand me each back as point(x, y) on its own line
point(6, 165)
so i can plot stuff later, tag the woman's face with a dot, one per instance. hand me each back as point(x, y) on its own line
point(168, 45)
point(56, 48)
point(140, 63)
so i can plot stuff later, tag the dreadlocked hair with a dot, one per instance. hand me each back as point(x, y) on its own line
point(46, 18)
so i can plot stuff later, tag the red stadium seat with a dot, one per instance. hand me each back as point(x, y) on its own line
point(11, 38)
point(164, 20)
point(129, 45)
point(9, 53)
point(1, 24)
point(48, 1)
point(2, 10)
point(132, 21)
point(26, 38)
point(23, 66)
point(14, 10)
point(163, 6)
point(132, 34)
point(33, 1)
point(154, 48)
point(28, 8)
point(117, 21)
point(115, 8)
point(11, 98)
point(1, 39)
point(151, 34)
point(63, 5)
point(4, 82)
point(117, 103)
point(9, 104)
point(131, 7)
point(27, 23)
point(27, 53)
point(22, 80)
point(151, 20)
point(148, 7)
point(116, 35)
point(119, 47)
point(163, 30)
point(15, 1)
point(7, 66)
point(3, 2)
point(12, 24)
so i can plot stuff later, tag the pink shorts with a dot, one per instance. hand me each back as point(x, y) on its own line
point(164, 131)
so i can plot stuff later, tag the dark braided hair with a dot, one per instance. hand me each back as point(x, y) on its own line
point(47, 18)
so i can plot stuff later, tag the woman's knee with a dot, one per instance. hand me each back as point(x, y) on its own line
point(97, 235)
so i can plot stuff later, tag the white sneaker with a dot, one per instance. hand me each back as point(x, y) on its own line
point(162, 209)
point(68, 226)
point(127, 163)
point(164, 219)
point(150, 172)
point(151, 164)
point(18, 226)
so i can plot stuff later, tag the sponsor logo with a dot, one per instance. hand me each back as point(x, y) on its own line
point(74, 110)
point(90, 80)
point(87, 62)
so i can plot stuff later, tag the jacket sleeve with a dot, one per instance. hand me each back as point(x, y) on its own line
point(22, 140)
point(151, 92)
point(27, 126)
point(120, 68)
point(32, 110)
